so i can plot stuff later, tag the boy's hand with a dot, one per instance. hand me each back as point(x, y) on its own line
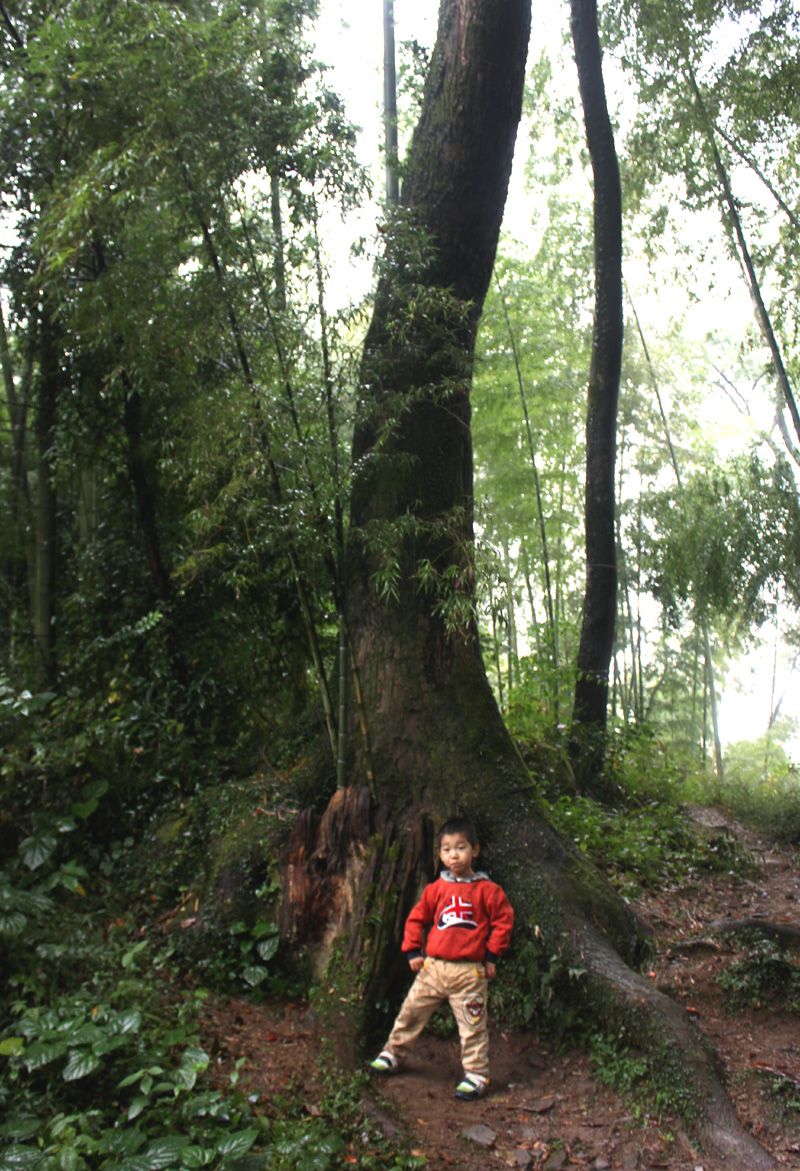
point(416, 963)
point(491, 970)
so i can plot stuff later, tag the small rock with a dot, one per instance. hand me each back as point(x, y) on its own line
point(521, 1158)
point(484, 1136)
point(555, 1161)
point(542, 1105)
point(601, 1164)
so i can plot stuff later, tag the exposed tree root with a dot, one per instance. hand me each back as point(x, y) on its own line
point(660, 1021)
point(782, 933)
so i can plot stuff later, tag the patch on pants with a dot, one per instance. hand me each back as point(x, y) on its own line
point(473, 1005)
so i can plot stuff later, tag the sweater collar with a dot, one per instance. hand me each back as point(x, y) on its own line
point(448, 876)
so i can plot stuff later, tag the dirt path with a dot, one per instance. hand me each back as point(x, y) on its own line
point(547, 1110)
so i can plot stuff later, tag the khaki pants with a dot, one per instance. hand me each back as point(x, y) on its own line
point(463, 984)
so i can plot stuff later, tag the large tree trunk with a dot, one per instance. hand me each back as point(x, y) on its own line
point(434, 734)
point(600, 598)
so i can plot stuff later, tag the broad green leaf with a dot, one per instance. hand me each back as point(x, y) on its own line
point(130, 955)
point(43, 1052)
point(109, 1044)
point(81, 1063)
point(14, 1158)
point(255, 974)
point(128, 1022)
point(267, 948)
point(12, 922)
point(185, 1078)
point(12, 1046)
point(97, 788)
point(234, 1145)
point(262, 928)
point(134, 1163)
point(121, 1141)
point(195, 1058)
point(36, 850)
point(84, 809)
point(165, 1151)
point(20, 1128)
point(69, 1160)
point(139, 1103)
point(83, 1033)
point(194, 1157)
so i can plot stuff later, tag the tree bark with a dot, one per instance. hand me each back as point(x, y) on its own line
point(438, 744)
point(600, 598)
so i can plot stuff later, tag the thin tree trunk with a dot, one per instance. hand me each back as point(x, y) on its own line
point(278, 257)
point(511, 618)
point(712, 695)
point(390, 144)
point(551, 618)
point(526, 573)
point(49, 392)
point(730, 209)
point(600, 599)
point(498, 666)
point(747, 158)
point(145, 497)
point(19, 566)
point(709, 659)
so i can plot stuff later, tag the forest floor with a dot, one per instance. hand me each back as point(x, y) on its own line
point(547, 1110)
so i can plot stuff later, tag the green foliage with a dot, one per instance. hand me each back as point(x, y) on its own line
point(654, 1082)
point(537, 987)
point(764, 977)
point(642, 847)
point(784, 1093)
point(732, 543)
point(762, 785)
point(237, 956)
point(101, 1063)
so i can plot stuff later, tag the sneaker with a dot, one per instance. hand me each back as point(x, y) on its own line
point(385, 1062)
point(471, 1086)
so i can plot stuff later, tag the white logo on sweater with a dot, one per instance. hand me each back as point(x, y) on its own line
point(457, 913)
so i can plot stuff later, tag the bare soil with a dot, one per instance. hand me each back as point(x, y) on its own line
point(547, 1110)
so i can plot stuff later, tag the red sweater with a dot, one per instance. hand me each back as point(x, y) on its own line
point(469, 919)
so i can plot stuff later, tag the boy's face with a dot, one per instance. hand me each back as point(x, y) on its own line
point(458, 854)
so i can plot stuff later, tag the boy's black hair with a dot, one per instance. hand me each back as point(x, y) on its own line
point(458, 825)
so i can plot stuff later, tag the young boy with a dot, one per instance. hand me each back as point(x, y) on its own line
point(468, 921)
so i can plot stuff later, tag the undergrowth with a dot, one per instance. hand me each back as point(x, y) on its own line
point(765, 976)
point(653, 1083)
point(643, 846)
point(102, 1064)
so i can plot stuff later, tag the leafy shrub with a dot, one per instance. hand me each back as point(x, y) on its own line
point(764, 976)
point(762, 787)
point(653, 1082)
point(642, 847)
